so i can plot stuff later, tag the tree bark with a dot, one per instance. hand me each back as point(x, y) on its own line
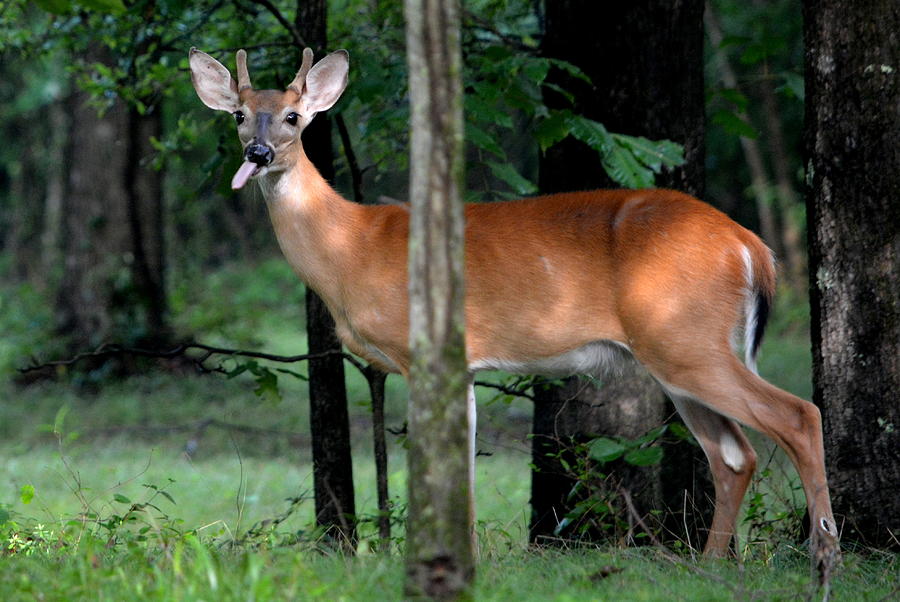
point(111, 227)
point(328, 414)
point(439, 547)
point(144, 209)
point(644, 60)
point(851, 133)
point(95, 238)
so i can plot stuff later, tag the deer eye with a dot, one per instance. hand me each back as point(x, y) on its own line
point(238, 117)
point(292, 118)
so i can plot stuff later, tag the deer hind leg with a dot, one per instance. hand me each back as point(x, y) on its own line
point(729, 388)
point(732, 461)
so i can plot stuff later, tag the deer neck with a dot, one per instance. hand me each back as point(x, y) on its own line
point(314, 226)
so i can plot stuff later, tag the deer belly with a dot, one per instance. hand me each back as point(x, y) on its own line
point(595, 358)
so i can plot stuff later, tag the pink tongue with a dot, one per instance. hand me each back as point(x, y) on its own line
point(243, 174)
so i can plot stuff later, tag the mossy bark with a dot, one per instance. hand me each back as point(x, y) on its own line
point(439, 554)
point(853, 209)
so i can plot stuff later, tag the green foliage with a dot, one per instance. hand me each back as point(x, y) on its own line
point(597, 503)
point(632, 161)
point(762, 43)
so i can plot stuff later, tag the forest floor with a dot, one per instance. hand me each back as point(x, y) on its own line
point(177, 486)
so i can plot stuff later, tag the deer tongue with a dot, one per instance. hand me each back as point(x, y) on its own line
point(247, 169)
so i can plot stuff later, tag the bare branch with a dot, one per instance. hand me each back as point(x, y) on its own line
point(298, 39)
point(516, 391)
point(112, 349)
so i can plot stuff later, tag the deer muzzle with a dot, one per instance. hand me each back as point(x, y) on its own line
point(257, 155)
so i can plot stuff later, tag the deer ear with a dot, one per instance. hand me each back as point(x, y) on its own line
point(326, 81)
point(213, 82)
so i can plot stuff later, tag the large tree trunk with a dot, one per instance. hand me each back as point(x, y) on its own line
point(111, 225)
point(645, 63)
point(439, 550)
point(328, 415)
point(852, 129)
point(95, 237)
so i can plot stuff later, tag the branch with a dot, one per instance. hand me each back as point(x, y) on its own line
point(518, 392)
point(182, 350)
point(298, 39)
point(355, 172)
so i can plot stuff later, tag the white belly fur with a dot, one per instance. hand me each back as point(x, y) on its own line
point(595, 359)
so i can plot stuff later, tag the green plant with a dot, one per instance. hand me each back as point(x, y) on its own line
point(600, 506)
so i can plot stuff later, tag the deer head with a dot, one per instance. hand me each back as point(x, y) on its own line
point(269, 122)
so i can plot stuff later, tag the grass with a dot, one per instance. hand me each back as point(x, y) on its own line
point(90, 462)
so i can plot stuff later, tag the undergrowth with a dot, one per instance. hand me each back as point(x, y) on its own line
point(174, 486)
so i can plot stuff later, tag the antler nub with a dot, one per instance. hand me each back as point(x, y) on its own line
point(305, 66)
point(242, 73)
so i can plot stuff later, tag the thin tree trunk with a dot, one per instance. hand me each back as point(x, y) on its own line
point(439, 545)
point(376, 379)
point(53, 198)
point(760, 183)
point(851, 135)
point(329, 417)
point(785, 192)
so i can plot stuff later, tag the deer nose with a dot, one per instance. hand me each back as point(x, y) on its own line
point(260, 154)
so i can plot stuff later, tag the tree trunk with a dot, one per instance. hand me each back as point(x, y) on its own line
point(328, 414)
point(645, 63)
point(852, 129)
point(95, 237)
point(439, 550)
point(143, 191)
point(111, 227)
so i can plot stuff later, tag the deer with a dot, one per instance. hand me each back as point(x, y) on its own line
point(570, 283)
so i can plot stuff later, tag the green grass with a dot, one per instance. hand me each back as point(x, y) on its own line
point(119, 441)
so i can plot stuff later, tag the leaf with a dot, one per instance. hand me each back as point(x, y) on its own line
point(26, 494)
point(515, 180)
point(267, 385)
point(484, 111)
point(733, 124)
point(622, 166)
point(562, 526)
point(654, 154)
point(57, 7)
point(571, 69)
point(591, 132)
point(794, 86)
point(483, 140)
point(647, 456)
point(680, 431)
point(604, 449)
point(536, 69)
point(551, 130)
point(106, 6)
point(121, 499)
point(735, 97)
point(59, 419)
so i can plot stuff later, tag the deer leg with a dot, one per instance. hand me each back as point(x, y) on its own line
point(729, 388)
point(732, 461)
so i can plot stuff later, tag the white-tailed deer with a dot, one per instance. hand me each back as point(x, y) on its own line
point(561, 284)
